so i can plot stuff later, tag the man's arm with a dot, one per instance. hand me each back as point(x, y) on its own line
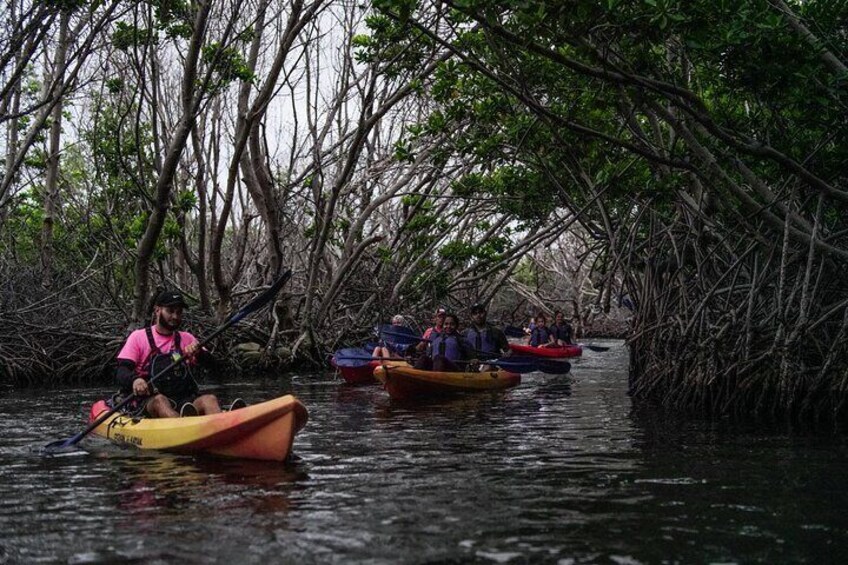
point(125, 375)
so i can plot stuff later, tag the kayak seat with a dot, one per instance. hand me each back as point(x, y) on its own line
point(237, 403)
point(188, 409)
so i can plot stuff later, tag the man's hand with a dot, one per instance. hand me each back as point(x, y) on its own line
point(191, 349)
point(140, 387)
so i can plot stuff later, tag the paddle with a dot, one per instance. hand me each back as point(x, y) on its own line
point(350, 359)
point(530, 365)
point(404, 334)
point(593, 347)
point(236, 317)
point(353, 357)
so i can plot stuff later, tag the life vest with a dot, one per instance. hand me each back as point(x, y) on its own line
point(562, 332)
point(176, 383)
point(482, 340)
point(539, 336)
point(447, 346)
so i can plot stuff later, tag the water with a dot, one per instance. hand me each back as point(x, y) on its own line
point(557, 470)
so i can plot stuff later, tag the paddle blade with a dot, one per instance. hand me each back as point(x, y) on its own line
point(60, 444)
point(399, 335)
point(593, 347)
point(352, 357)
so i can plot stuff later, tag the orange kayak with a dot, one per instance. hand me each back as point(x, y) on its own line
point(407, 383)
point(262, 431)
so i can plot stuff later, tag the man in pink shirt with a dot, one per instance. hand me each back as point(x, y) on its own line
point(151, 349)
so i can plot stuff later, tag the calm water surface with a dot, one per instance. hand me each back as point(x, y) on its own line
point(558, 470)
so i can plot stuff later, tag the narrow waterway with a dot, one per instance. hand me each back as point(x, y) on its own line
point(559, 470)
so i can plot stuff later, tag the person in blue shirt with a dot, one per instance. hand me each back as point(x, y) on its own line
point(541, 336)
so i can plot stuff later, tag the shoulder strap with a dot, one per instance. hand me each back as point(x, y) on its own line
point(153, 349)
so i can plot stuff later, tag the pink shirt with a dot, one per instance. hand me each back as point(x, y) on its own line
point(430, 333)
point(137, 348)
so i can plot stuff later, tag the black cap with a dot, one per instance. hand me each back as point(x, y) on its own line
point(170, 298)
point(478, 307)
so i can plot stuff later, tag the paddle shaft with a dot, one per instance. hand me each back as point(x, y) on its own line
point(371, 358)
point(249, 308)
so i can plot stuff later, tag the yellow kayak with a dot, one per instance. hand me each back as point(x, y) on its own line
point(407, 383)
point(261, 431)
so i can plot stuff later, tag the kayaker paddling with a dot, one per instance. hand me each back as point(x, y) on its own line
point(154, 347)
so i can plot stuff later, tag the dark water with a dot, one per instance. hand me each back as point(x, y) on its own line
point(558, 470)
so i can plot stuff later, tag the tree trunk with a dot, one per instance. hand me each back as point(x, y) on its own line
point(51, 183)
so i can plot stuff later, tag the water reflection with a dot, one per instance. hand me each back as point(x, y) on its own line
point(151, 483)
point(556, 470)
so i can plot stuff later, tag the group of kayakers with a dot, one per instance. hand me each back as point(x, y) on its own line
point(442, 348)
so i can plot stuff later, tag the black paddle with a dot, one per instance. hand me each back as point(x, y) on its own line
point(234, 318)
point(593, 347)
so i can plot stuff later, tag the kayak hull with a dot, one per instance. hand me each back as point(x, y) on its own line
point(262, 431)
point(358, 375)
point(407, 383)
point(365, 374)
point(555, 352)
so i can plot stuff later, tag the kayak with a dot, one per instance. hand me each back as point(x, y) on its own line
point(354, 367)
point(558, 352)
point(363, 374)
point(407, 383)
point(262, 431)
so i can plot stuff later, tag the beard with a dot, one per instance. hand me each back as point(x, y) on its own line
point(172, 326)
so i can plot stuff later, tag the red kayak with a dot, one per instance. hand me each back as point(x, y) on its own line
point(358, 375)
point(557, 352)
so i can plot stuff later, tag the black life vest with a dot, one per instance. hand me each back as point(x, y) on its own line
point(177, 382)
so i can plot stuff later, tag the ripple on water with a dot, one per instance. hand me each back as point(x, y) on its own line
point(556, 470)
